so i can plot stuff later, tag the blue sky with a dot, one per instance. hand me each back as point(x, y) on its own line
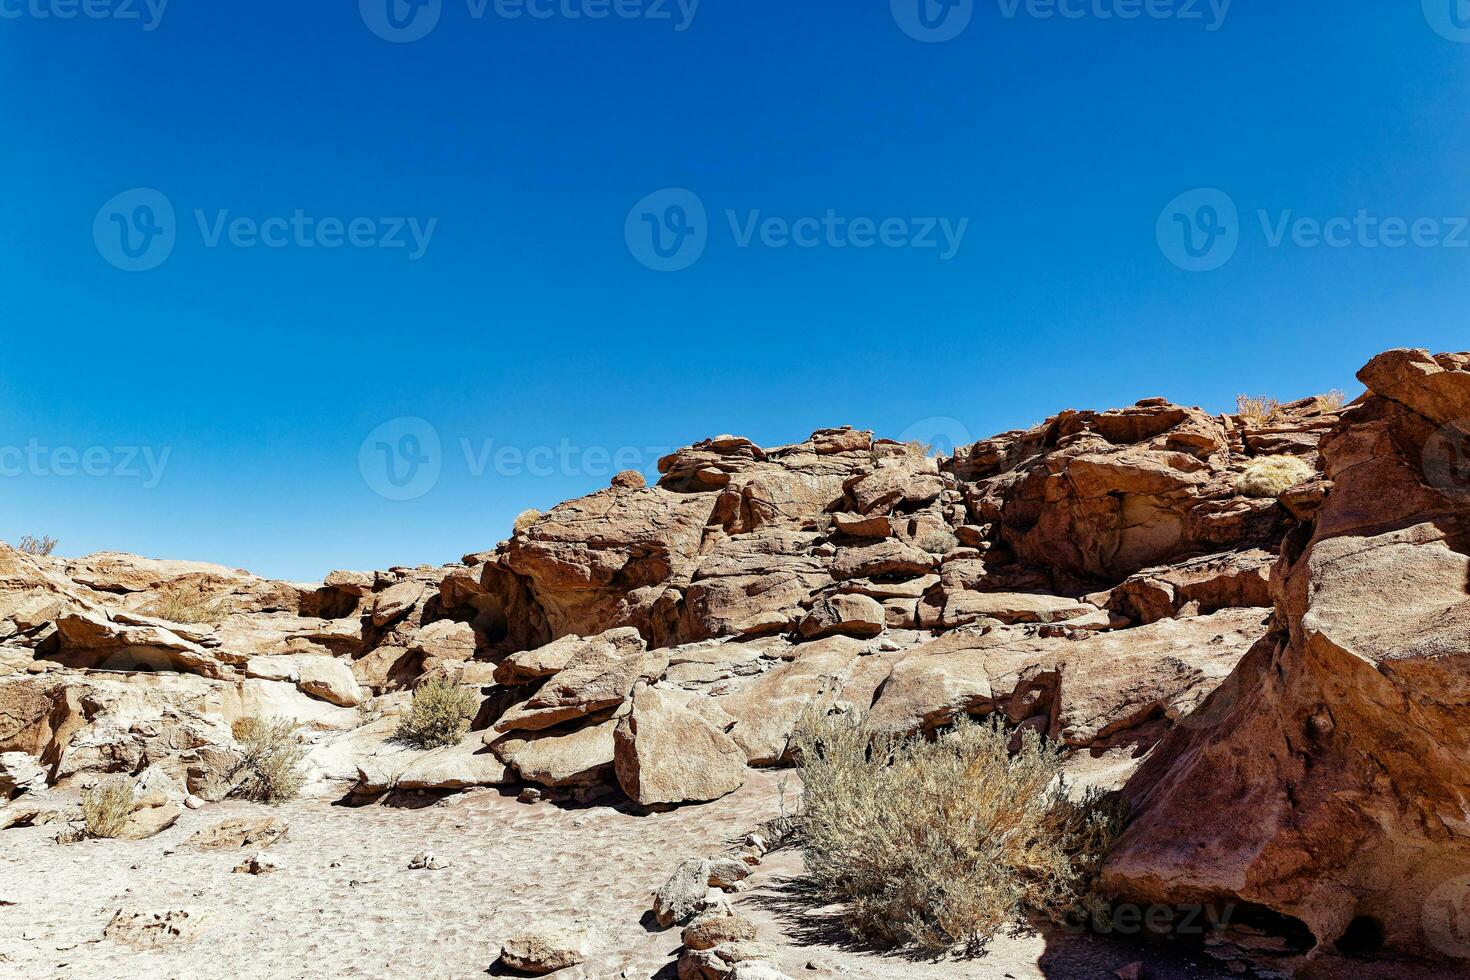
point(229, 403)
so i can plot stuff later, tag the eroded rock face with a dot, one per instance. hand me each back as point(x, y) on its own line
point(663, 753)
point(1325, 781)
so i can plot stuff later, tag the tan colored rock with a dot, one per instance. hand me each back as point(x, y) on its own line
point(664, 753)
point(455, 767)
point(545, 661)
point(239, 833)
point(547, 947)
point(848, 615)
point(395, 601)
point(329, 679)
point(597, 677)
point(577, 757)
point(1324, 780)
point(629, 480)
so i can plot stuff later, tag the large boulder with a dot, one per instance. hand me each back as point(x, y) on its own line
point(664, 753)
point(1325, 781)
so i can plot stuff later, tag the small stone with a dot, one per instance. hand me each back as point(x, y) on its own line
point(258, 863)
point(193, 802)
point(546, 947)
point(426, 861)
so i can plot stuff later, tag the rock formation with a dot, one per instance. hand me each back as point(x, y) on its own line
point(1279, 680)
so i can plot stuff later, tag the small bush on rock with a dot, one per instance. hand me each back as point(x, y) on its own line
point(107, 806)
point(38, 547)
point(440, 716)
point(937, 541)
point(270, 770)
point(940, 844)
point(526, 519)
point(1269, 476)
point(185, 605)
point(1257, 410)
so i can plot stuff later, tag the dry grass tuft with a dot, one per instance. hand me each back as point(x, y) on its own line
point(526, 519)
point(1257, 411)
point(107, 806)
point(941, 844)
point(182, 604)
point(1270, 475)
point(1333, 401)
point(37, 547)
point(270, 770)
point(440, 716)
point(937, 541)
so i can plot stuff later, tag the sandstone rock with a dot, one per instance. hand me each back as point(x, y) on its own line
point(147, 821)
point(711, 929)
point(1010, 607)
point(545, 661)
point(19, 773)
point(1323, 781)
point(454, 767)
point(153, 930)
point(547, 947)
point(665, 754)
point(849, 615)
point(682, 896)
point(241, 832)
point(558, 758)
point(629, 480)
point(862, 526)
point(1199, 585)
point(329, 679)
point(395, 601)
point(598, 676)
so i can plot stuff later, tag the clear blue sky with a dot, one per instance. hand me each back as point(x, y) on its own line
point(529, 320)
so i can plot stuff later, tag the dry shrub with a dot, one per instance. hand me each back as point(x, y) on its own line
point(526, 519)
point(182, 604)
point(1270, 475)
point(1333, 401)
point(923, 450)
point(38, 547)
point(107, 806)
point(440, 716)
point(941, 844)
point(270, 770)
point(937, 541)
point(1257, 410)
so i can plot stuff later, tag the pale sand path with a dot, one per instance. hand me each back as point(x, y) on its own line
point(509, 864)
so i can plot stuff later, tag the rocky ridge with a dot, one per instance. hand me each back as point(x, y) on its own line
point(1274, 681)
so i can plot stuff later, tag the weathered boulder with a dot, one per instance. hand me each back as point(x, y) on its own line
point(1324, 781)
point(597, 677)
point(664, 753)
point(547, 947)
point(577, 757)
point(849, 615)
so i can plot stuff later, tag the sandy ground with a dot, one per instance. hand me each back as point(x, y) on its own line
point(345, 903)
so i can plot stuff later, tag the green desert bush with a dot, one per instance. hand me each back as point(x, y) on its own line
point(939, 844)
point(270, 769)
point(1270, 475)
point(107, 806)
point(440, 716)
